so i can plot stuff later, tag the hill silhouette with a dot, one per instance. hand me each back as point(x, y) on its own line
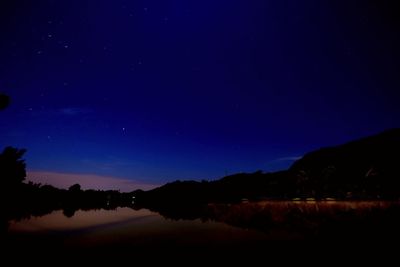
point(361, 169)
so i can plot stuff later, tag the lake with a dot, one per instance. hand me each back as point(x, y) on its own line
point(240, 229)
point(138, 233)
point(129, 227)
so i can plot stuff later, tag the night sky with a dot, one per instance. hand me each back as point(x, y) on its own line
point(154, 91)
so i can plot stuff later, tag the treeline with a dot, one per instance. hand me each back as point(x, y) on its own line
point(37, 200)
point(26, 200)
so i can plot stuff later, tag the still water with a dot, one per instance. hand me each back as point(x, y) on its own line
point(229, 233)
point(129, 228)
point(224, 230)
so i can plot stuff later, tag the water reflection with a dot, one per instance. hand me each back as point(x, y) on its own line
point(316, 220)
point(238, 226)
point(58, 221)
point(273, 220)
point(224, 231)
point(128, 228)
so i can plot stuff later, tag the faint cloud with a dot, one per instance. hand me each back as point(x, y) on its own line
point(281, 163)
point(110, 164)
point(16, 134)
point(87, 181)
point(73, 111)
point(50, 112)
point(293, 158)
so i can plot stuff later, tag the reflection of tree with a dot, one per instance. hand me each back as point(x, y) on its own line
point(69, 212)
point(337, 220)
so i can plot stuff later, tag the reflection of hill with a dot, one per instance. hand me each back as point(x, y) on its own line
point(363, 169)
point(302, 220)
point(315, 220)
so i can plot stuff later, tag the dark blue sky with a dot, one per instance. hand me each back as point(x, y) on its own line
point(165, 90)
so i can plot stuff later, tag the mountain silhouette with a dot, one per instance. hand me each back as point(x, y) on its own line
point(361, 169)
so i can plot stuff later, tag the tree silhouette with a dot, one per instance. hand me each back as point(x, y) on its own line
point(12, 166)
point(75, 188)
point(4, 101)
